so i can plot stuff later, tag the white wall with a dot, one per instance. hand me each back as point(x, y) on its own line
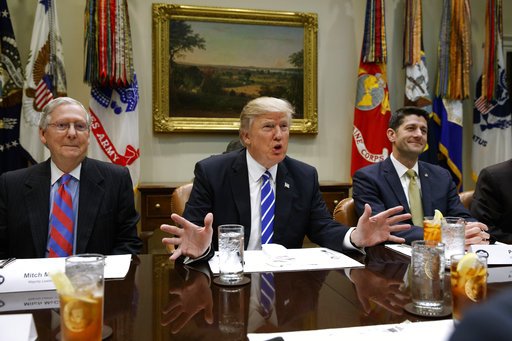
point(171, 157)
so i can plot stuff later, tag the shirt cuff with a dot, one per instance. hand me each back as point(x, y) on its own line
point(189, 260)
point(347, 243)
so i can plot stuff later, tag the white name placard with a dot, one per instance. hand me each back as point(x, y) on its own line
point(29, 300)
point(498, 254)
point(33, 274)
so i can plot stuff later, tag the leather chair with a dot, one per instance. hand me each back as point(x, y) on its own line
point(345, 212)
point(180, 197)
point(466, 198)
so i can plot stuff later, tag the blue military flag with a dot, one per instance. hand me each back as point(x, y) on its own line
point(12, 155)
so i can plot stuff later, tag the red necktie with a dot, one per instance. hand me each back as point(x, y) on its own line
point(62, 221)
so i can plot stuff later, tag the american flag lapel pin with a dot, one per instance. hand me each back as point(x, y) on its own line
point(286, 185)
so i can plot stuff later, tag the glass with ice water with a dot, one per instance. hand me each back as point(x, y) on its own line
point(231, 253)
point(427, 281)
point(453, 235)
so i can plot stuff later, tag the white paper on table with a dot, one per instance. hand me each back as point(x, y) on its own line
point(403, 249)
point(406, 331)
point(292, 260)
point(17, 327)
point(33, 274)
point(117, 266)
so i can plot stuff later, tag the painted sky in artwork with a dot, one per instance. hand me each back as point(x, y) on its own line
point(265, 46)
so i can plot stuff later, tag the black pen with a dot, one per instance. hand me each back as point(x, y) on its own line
point(4, 263)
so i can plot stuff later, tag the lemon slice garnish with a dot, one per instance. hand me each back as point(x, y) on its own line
point(432, 267)
point(62, 283)
point(473, 290)
point(77, 315)
point(438, 216)
point(467, 262)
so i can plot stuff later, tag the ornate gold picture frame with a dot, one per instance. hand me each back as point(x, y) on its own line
point(208, 62)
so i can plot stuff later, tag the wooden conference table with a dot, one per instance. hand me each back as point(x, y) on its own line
point(160, 300)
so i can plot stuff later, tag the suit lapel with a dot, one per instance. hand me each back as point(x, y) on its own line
point(426, 185)
point(90, 199)
point(395, 184)
point(240, 191)
point(285, 188)
point(36, 191)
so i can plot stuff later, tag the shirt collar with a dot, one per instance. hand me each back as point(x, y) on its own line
point(400, 168)
point(57, 173)
point(256, 170)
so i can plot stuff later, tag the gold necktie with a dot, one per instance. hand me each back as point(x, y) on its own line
point(415, 199)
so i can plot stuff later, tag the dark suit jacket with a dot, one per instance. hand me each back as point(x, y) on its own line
point(492, 201)
point(106, 213)
point(491, 320)
point(221, 186)
point(380, 186)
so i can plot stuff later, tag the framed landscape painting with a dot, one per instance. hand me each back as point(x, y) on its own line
point(209, 62)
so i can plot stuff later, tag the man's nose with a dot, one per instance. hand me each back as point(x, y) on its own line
point(278, 133)
point(71, 130)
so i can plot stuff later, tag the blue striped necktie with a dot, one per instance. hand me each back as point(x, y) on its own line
point(267, 294)
point(267, 209)
point(62, 220)
point(267, 291)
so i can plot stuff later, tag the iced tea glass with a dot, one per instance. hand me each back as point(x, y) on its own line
point(81, 313)
point(468, 277)
point(431, 229)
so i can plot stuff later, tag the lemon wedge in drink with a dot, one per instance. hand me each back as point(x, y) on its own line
point(467, 262)
point(62, 283)
point(437, 216)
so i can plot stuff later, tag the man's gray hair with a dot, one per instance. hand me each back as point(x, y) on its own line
point(53, 104)
point(264, 105)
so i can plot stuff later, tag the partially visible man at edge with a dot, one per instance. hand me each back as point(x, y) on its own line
point(103, 203)
point(227, 190)
point(492, 200)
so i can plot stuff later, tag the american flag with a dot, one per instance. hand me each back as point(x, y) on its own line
point(482, 105)
point(43, 92)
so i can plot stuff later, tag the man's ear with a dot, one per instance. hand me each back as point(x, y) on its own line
point(391, 135)
point(41, 136)
point(244, 136)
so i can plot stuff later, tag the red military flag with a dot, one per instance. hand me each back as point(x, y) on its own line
point(372, 112)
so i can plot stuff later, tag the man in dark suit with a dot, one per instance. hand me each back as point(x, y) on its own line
point(103, 205)
point(492, 201)
point(491, 320)
point(385, 184)
point(227, 190)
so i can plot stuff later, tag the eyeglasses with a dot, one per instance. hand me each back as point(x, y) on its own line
point(64, 126)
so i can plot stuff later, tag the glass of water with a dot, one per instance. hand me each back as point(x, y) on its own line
point(453, 235)
point(427, 280)
point(231, 253)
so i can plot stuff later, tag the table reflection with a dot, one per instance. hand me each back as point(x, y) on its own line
point(382, 283)
point(195, 308)
point(163, 300)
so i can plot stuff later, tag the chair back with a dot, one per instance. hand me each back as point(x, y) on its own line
point(345, 212)
point(180, 197)
point(466, 198)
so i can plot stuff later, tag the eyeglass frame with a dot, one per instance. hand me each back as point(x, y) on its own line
point(64, 126)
